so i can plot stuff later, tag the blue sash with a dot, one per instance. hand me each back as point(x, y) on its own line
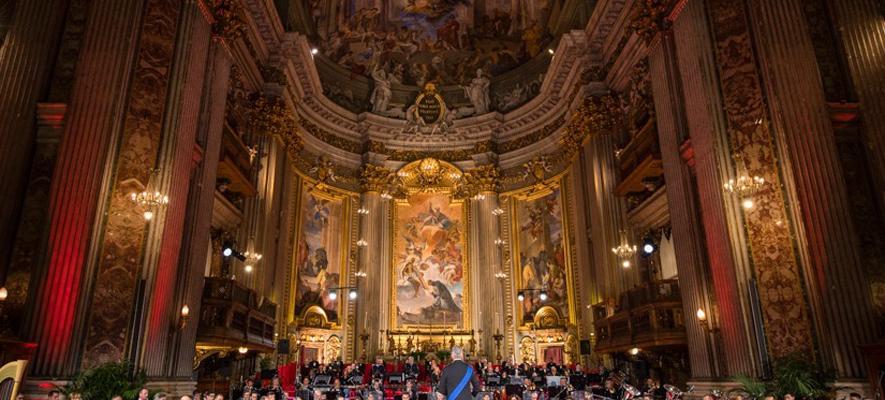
point(460, 388)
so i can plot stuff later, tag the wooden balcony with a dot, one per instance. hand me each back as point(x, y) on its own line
point(646, 317)
point(640, 160)
point(231, 316)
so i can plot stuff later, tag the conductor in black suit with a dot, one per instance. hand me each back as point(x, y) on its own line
point(453, 374)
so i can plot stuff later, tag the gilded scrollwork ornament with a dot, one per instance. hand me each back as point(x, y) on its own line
point(324, 171)
point(596, 115)
point(375, 178)
point(648, 17)
point(230, 23)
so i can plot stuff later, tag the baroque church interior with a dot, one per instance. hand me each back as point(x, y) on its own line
point(337, 199)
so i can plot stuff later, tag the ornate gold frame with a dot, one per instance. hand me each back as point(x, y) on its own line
point(533, 193)
point(447, 188)
point(332, 194)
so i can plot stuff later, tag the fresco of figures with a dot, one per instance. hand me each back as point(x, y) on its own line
point(428, 261)
point(542, 258)
point(318, 254)
point(419, 41)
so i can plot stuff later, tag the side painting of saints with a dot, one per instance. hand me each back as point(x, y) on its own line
point(428, 261)
point(318, 252)
point(542, 262)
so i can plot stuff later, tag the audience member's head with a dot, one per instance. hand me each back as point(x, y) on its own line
point(457, 353)
point(143, 394)
point(160, 396)
point(54, 395)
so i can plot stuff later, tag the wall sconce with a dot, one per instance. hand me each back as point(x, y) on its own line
point(184, 316)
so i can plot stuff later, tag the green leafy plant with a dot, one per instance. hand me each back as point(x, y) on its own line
point(105, 381)
point(794, 374)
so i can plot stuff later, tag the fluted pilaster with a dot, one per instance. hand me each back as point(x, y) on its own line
point(486, 294)
point(176, 165)
point(374, 303)
point(706, 127)
point(828, 244)
point(82, 167)
point(687, 232)
point(25, 62)
point(201, 196)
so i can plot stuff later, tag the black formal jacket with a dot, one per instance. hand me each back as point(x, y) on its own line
point(451, 377)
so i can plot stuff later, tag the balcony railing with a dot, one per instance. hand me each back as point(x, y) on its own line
point(646, 317)
point(232, 316)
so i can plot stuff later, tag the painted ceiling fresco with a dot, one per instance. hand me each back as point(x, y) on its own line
point(439, 41)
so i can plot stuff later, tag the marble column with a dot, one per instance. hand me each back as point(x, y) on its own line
point(729, 266)
point(827, 239)
point(687, 232)
point(587, 292)
point(26, 59)
point(85, 157)
point(198, 222)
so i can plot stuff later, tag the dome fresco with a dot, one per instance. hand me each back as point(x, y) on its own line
point(444, 42)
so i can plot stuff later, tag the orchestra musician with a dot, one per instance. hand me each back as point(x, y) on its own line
point(410, 369)
point(378, 369)
point(560, 392)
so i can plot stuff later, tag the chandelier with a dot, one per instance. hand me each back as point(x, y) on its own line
point(149, 200)
point(250, 259)
point(625, 251)
point(744, 186)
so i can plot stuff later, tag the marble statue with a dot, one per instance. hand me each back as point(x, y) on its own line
point(478, 93)
point(381, 95)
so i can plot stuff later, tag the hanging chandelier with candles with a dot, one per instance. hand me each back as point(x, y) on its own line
point(150, 200)
point(625, 250)
point(744, 186)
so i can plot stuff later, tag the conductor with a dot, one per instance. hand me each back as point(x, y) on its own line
point(458, 380)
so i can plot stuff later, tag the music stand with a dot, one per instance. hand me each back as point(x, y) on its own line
point(553, 381)
point(395, 379)
point(322, 380)
point(493, 380)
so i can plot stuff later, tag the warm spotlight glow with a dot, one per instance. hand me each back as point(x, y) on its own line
point(148, 215)
point(648, 248)
point(550, 51)
point(543, 295)
point(626, 263)
point(248, 268)
point(702, 316)
point(243, 350)
point(333, 295)
point(185, 311)
point(634, 351)
point(314, 51)
point(747, 203)
point(520, 296)
point(227, 252)
point(352, 294)
point(3, 293)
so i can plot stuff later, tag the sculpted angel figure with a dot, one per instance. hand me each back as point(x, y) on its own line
point(381, 95)
point(478, 92)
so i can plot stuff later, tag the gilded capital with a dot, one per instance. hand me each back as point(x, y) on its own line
point(596, 115)
point(229, 22)
point(648, 17)
point(375, 178)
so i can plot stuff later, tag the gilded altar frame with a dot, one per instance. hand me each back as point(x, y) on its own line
point(533, 193)
point(447, 185)
point(325, 192)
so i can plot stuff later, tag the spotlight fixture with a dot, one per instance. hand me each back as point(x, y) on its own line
point(498, 211)
point(227, 252)
point(520, 296)
point(649, 247)
point(243, 349)
point(185, 316)
point(626, 263)
point(185, 311)
point(550, 51)
point(4, 294)
point(543, 295)
point(314, 51)
point(634, 351)
point(351, 293)
point(247, 268)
